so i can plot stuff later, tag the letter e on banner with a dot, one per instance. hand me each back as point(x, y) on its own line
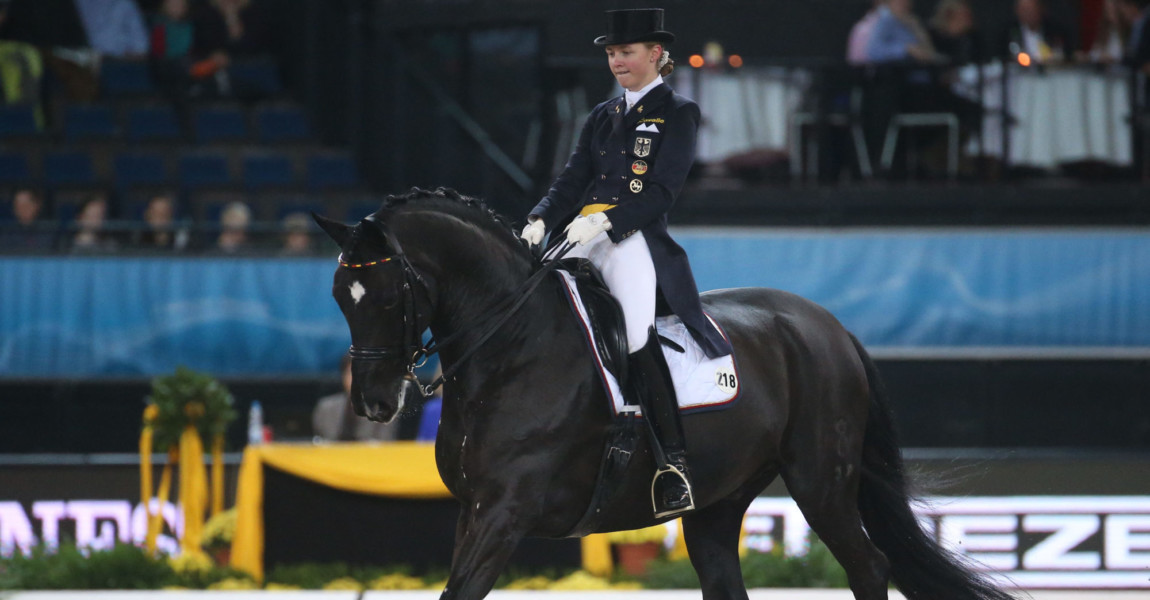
point(1128, 542)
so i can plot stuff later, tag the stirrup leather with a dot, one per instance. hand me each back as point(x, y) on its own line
point(669, 469)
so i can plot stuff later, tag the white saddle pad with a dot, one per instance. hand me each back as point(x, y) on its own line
point(701, 383)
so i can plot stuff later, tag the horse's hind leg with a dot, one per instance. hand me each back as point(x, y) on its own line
point(712, 537)
point(826, 490)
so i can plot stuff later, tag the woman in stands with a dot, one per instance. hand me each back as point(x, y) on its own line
point(629, 166)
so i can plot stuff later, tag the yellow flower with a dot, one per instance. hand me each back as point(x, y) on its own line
point(191, 562)
point(581, 580)
point(194, 410)
point(281, 587)
point(344, 583)
point(234, 583)
point(396, 581)
point(220, 529)
point(530, 583)
point(654, 533)
point(151, 412)
point(438, 585)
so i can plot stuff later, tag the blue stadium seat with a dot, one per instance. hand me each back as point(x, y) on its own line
point(220, 124)
point(331, 171)
point(18, 120)
point(125, 78)
point(359, 209)
point(153, 124)
point(14, 168)
point(255, 76)
point(282, 124)
point(89, 121)
point(133, 169)
point(267, 170)
point(204, 170)
point(68, 168)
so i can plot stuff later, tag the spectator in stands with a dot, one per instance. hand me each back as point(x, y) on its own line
point(297, 234)
point(21, 70)
point(114, 27)
point(953, 33)
point(235, 28)
point(161, 232)
point(1137, 14)
point(334, 420)
point(171, 50)
point(28, 233)
point(899, 36)
point(234, 222)
point(227, 30)
point(861, 33)
point(1035, 34)
point(91, 220)
point(1111, 36)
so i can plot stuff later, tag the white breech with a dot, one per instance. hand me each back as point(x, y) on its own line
point(630, 276)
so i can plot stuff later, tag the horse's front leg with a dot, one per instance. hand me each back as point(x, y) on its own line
point(485, 538)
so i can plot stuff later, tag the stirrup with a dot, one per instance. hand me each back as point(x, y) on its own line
point(671, 469)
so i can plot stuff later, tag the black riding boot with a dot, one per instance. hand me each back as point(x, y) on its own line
point(650, 383)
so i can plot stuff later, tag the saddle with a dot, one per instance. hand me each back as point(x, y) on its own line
point(605, 313)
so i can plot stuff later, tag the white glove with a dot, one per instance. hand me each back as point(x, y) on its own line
point(533, 233)
point(584, 229)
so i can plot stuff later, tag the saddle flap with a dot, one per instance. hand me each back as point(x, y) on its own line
point(605, 313)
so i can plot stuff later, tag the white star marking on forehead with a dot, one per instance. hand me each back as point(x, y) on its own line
point(357, 291)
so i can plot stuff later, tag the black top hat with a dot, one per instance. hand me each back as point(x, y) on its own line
point(635, 25)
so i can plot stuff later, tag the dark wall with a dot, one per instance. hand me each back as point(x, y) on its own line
point(1086, 404)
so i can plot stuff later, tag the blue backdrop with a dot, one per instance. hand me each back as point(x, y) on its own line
point(71, 316)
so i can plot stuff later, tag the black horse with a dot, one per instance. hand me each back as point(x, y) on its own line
point(525, 418)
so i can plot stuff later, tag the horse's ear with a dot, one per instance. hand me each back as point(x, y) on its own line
point(338, 231)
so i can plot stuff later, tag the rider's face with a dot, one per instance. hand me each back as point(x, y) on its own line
point(633, 64)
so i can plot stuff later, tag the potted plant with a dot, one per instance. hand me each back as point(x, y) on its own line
point(635, 548)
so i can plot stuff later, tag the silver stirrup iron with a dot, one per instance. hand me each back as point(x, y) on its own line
point(690, 493)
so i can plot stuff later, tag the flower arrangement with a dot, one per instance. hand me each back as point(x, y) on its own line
point(188, 398)
point(654, 533)
point(219, 531)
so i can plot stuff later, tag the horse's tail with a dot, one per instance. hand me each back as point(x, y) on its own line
point(919, 566)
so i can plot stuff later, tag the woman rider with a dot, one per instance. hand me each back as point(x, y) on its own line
point(628, 167)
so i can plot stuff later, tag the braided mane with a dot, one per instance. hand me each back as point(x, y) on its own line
point(467, 208)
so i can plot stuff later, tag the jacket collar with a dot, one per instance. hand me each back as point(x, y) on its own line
point(647, 105)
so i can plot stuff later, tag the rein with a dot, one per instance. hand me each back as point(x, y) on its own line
point(417, 352)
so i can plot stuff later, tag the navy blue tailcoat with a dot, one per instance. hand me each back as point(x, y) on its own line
point(637, 161)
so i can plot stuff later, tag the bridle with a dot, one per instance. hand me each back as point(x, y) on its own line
point(412, 349)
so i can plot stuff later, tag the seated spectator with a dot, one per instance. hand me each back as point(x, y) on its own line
point(861, 33)
point(171, 49)
point(234, 221)
point(28, 233)
point(1039, 37)
point(899, 36)
point(91, 219)
point(334, 420)
point(1111, 36)
point(21, 72)
point(227, 30)
point(114, 27)
point(1137, 14)
point(161, 232)
point(297, 234)
point(953, 34)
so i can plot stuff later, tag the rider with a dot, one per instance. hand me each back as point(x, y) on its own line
point(627, 169)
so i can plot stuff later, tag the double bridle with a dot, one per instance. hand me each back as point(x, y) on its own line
point(412, 349)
